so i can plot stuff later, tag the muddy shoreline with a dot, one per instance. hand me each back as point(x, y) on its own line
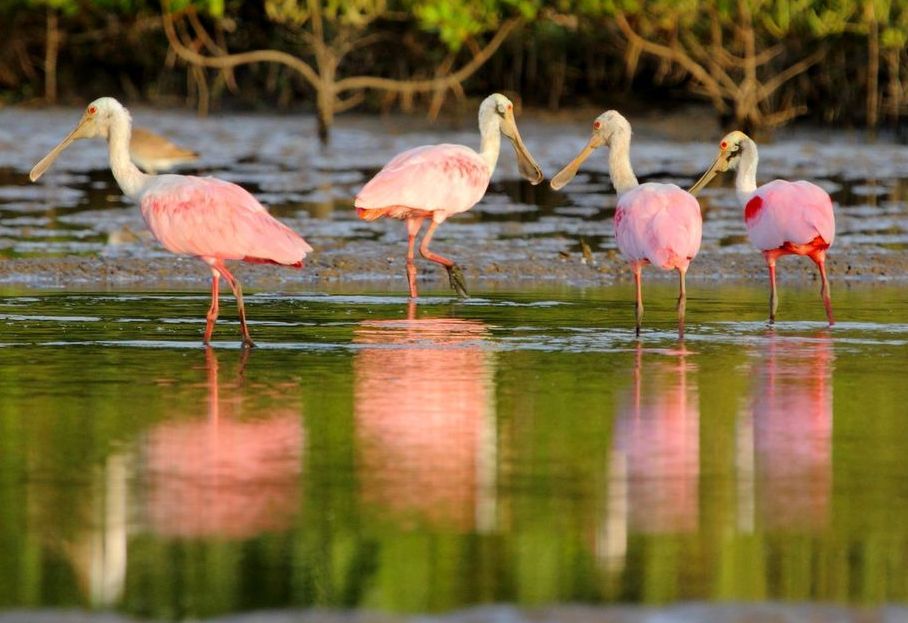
point(378, 266)
point(66, 230)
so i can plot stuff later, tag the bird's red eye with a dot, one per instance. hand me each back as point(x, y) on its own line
point(92, 110)
point(597, 125)
point(723, 145)
point(510, 107)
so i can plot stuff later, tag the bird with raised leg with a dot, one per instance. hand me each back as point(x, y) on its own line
point(437, 181)
point(782, 218)
point(204, 217)
point(655, 223)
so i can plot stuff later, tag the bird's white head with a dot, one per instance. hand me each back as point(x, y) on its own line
point(496, 114)
point(607, 128)
point(97, 120)
point(732, 148)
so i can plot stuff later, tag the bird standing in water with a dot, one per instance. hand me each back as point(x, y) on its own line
point(206, 217)
point(655, 223)
point(782, 218)
point(437, 181)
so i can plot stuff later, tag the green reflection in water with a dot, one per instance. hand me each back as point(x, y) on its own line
point(507, 449)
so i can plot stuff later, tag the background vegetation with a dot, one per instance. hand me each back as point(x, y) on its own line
point(759, 63)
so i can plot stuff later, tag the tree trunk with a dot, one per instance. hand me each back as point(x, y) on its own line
point(51, 52)
point(873, 68)
point(324, 101)
point(895, 84)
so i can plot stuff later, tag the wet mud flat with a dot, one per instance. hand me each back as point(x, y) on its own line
point(75, 227)
point(488, 265)
point(683, 613)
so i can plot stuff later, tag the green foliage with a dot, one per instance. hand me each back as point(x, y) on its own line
point(458, 22)
point(348, 12)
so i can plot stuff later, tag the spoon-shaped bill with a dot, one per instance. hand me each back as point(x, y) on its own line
point(44, 164)
point(565, 175)
point(526, 164)
point(706, 178)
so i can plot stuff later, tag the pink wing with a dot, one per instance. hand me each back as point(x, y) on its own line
point(449, 178)
point(795, 212)
point(660, 223)
point(208, 217)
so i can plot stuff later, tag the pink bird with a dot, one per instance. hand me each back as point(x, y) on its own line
point(657, 224)
point(782, 218)
point(206, 217)
point(438, 181)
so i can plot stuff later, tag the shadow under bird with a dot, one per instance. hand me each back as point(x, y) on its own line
point(782, 218)
point(204, 217)
point(658, 224)
point(438, 181)
point(154, 153)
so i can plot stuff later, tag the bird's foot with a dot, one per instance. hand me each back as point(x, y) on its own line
point(248, 343)
point(457, 281)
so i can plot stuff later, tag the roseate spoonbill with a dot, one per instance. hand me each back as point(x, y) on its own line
point(781, 217)
point(437, 181)
point(206, 217)
point(154, 153)
point(657, 224)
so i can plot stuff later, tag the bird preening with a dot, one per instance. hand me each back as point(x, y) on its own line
point(655, 223)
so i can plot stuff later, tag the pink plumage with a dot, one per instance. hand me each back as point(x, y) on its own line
point(437, 179)
point(201, 216)
point(781, 217)
point(795, 213)
point(211, 218)
point(658, 223)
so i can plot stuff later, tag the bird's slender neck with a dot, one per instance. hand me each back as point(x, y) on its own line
point(746, 177)
point(619, 163)
point(490, 143)
point(127, 174)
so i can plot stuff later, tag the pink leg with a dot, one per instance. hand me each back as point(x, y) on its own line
point(773, 295)
point(413, 225)
point(820, 259)
point(454, 273)
point(238, 293)
point(682, 302)
point(637, 267)
point(213, 310)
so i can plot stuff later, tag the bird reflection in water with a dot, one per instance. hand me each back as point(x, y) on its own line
point(785, 436)
point(234, 474)
point(654, 467)
point(425, 421)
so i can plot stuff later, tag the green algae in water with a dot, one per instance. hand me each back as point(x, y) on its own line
point(511, 448)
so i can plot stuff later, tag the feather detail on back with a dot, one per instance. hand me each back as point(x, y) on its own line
point(448, 178)
point(660, 223)
point(783, 212)
point(211, 218)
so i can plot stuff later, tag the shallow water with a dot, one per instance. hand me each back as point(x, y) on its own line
point(516, 447)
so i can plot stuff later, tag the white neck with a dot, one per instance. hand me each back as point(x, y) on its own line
point(619, 163)
point(490, 143)
point(128, 176)
point(746, 177)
